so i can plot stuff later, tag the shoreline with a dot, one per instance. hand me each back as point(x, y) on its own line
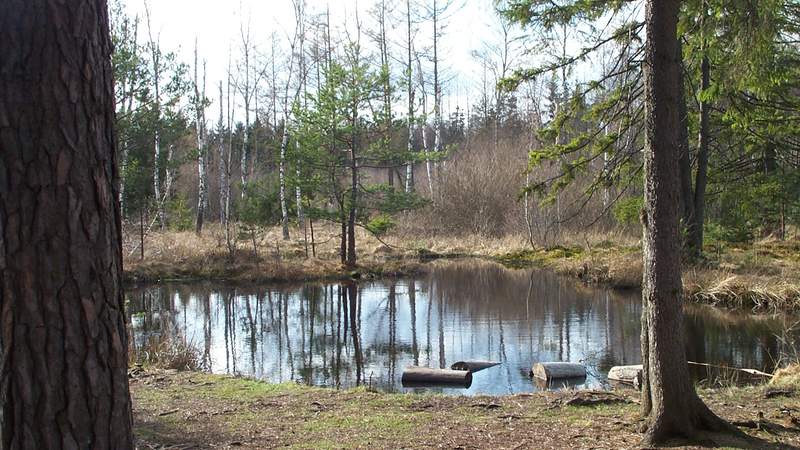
point(735, 282)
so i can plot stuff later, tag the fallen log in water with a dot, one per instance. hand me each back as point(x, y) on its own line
point(626, 374)
point(557, 370)
point(473, 366)
point(424, 376)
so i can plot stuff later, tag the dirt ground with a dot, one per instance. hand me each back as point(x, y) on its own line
point(190, 410)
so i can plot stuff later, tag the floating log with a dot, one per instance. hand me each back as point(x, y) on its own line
point(423, 376)
point(473, 366)
point(558, 370)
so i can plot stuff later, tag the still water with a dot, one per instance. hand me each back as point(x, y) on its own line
point(349, 334)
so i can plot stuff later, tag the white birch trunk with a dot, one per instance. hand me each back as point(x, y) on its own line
point(155, 54)
point(410, 164)
point(282, 175)
point(222, 180)
point(200, 130)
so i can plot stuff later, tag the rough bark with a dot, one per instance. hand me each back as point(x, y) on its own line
point(63, 343)
point(669, 402)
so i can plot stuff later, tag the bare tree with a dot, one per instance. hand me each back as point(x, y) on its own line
point(409, 187)
point(155, 57)
point(202, 151)
point(247, 86)
point(222, 167)
point(299, 10)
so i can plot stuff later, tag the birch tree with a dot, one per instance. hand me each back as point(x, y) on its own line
point(199, 101)
point(409, 184)
point(288, 99)
point(246, 85)
point(155, 59)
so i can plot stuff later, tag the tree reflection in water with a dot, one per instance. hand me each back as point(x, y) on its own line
point(349, 334)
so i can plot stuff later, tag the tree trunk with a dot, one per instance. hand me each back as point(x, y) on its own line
point(437, 88)
point(223, 218)
point(155, 54)
point(669, 402)
point(425, 149)
point(282, 182)
point(409, 187)
point(200, 130)
point(63, 342)
point(702, 162)
point(351, 219)
point(685, 164)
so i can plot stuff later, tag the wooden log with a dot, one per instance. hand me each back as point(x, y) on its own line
point(423, 376)
point(626, 374)
point(473, 366)
point(629, 373)
point(747, 371)
point(557, 370)
point(559, 383)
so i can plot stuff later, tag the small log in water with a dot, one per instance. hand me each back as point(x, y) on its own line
point(626, 374)
point(557, 370)
point(424, 376)
point(473, 366)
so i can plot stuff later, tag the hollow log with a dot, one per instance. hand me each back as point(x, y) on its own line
point(557, 370)
point(423, 376)
point(473, 366)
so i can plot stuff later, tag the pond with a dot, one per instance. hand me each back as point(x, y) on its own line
point(364, 333)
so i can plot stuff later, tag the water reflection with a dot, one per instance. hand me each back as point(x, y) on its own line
point(349, 334)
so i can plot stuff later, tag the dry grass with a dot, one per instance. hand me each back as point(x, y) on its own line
point(764, 277)
point(164, 351)
point(788, 376)
point(186, 255)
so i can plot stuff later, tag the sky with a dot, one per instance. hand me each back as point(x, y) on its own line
point(216, 26)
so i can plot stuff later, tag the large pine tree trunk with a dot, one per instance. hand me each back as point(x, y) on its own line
point(63, 343)
point(669, 401)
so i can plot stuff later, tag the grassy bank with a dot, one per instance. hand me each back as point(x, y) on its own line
point(198, 410)
point(763, 277)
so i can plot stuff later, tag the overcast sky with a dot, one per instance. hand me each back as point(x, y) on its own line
point(216, 24)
